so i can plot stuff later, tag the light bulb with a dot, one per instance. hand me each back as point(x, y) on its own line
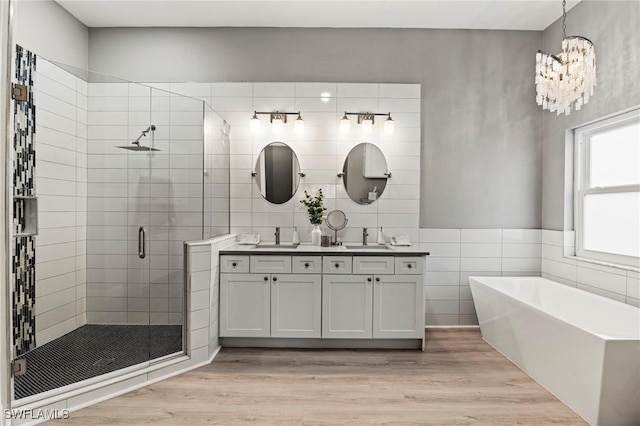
point(345, 123)
point(254, 123)
point(389, 125)
point(298, 125)
point(367, 124)
point(277, 123)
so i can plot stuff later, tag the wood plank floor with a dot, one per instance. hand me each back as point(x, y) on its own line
point(459, 380)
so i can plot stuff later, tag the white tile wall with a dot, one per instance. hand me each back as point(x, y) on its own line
point(559, 264)
point(457, 254)
point(61, 185)
point(162, 191)
point(321, 150)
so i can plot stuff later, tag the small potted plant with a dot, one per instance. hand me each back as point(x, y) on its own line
point(316, 209)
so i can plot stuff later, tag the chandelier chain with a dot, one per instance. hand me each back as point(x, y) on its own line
point(564, 19)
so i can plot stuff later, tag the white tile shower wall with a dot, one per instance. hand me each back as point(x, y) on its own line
point(217, 244)
point(457, 254)
point(161, 191)
point(558, 264)
point(61, 185)
point(321, 149)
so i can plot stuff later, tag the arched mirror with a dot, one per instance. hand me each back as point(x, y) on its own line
point(365, 173)
point(277, 173)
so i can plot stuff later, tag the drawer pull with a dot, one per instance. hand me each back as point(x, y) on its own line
point(275, 279)
point(377, 279)
point(234, 264)
point(306, 265)
point(369, 279)
point(337, 265)
point(266, 278)
point(410, 266)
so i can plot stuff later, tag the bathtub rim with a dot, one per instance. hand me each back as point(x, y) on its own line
point(602, 336)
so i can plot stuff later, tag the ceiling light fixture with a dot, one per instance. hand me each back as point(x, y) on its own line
point(367, 119)
point(566, 80)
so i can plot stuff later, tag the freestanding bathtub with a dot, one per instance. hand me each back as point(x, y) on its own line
point(583, 348)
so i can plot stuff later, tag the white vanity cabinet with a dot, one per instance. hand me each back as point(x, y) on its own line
point(398, 307)
point(245, 307)
point(381, 299)
point(269, 301)
point(347, 306)
point(325, 297)
point(295, 305)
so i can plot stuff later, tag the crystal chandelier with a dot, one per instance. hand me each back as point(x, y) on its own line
point(566, 80)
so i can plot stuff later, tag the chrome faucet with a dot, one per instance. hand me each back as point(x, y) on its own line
point(277, 234)
point(365, 234)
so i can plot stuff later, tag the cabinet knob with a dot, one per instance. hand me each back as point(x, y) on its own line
point(306, 265)
point(337, 265)
point(275, 279)
point(369, 279)
point(266, 278)
point(410, 266)
point(234, 264)
point(378, 279)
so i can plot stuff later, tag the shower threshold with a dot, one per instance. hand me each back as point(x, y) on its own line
point(93, 350)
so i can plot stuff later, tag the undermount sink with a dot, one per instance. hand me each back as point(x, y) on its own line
point(276, 246)
point(368, 248)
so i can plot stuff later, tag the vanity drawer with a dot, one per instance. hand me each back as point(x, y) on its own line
point(234, 264)
point(373, 265)
point(409, 265)
point(269, 264)
point(306, 264)
point(336, 264)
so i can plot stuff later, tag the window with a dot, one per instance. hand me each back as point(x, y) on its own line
point(607, 190)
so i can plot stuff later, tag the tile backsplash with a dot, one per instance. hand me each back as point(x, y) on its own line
point(321, 149)
point(457, 254)
point(559, 265)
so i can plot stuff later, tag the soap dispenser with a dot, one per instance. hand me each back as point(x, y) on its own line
point(295, 240)
point(381, 236)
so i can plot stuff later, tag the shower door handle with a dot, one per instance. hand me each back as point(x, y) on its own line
point(142, 246)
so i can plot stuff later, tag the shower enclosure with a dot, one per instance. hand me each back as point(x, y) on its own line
point(121, 175)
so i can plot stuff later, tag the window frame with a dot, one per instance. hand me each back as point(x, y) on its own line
point(582, 138)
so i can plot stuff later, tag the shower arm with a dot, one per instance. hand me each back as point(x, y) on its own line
point(144, 133)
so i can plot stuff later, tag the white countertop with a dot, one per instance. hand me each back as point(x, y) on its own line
point(372, 250)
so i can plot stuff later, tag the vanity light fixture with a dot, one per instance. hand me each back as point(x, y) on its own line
point(298, 124)
point(367, 119)
point(277, 119)
point(367, 123)
point(389, 125)
point(567, 79)
point(345, 123)
point(255, 122)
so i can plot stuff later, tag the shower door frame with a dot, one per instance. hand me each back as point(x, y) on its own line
point(6, 60)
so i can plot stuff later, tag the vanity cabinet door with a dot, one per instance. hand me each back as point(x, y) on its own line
point(398, 307)
point(245, 305)
point(296, 304)
point(347, 303)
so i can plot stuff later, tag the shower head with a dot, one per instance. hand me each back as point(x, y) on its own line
point(135, 145)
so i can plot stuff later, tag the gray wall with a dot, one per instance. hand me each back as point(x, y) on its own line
point(481, 156)
point(45, 28)
point(614, 28)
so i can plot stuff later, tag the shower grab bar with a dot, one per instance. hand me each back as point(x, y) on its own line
point(142, 246)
